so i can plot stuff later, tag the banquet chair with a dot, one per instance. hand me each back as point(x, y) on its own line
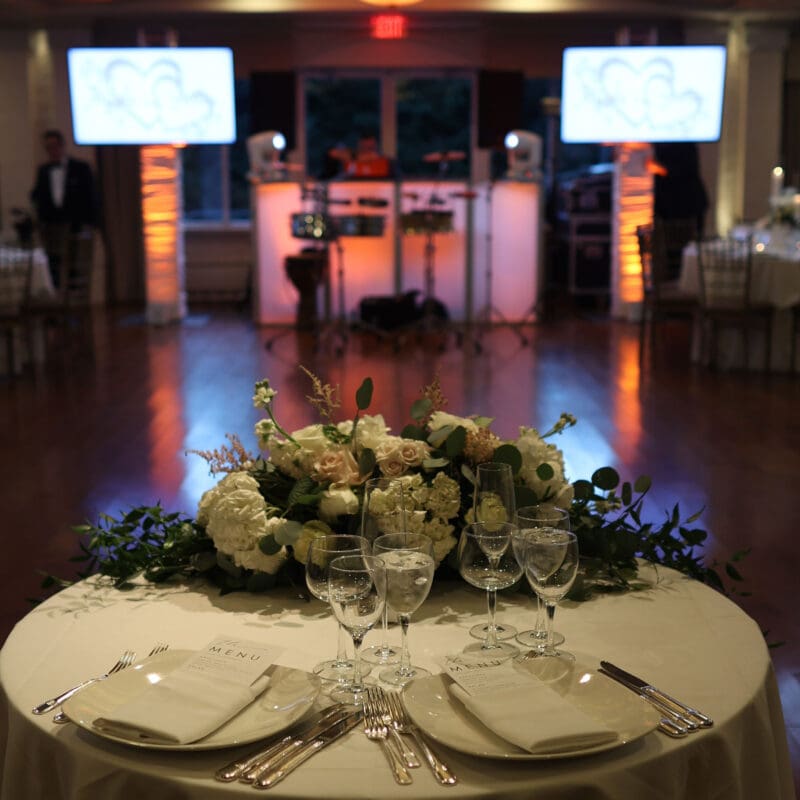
point(69, 311)
point(662, 298)
point(16, 265)
point(725, 295)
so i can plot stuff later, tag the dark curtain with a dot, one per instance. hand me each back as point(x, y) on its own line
point(121, 221)
point(791, 133)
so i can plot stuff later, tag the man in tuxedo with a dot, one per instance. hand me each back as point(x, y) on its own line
point(64, 199)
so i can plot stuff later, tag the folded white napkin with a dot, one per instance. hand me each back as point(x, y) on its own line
point(537, 719)
point(180, 709)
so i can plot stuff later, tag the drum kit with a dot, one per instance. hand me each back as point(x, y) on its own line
point(320, 226)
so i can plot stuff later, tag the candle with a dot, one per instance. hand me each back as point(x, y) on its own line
point(776, 182)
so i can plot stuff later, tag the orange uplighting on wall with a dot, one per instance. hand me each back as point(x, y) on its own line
point(633, 206)
point(388, 26)
point(159, 168)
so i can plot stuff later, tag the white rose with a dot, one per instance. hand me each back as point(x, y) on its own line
point(440, 419)
point(337, 500)
point(413, 452)
point(312, 438)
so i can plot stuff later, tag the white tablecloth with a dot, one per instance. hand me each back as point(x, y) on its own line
point(41, 287)
point(683, 636)
point(775, 281)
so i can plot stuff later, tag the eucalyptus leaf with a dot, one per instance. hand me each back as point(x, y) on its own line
point(642, 484)
point(414, 432)
point(269, 545)
point(288, 532)
point(508, 454)
point(605, 478)
point(366, 461)
point(435, 463)
point(364, 394)
point(421, 408)
point(545, 472)
point(437, 438)
point(456, 442)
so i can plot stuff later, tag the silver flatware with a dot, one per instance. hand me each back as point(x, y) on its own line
point(410, 758)
point(670, 723)
point(125, 660)
point(440, 770)
point(272, 777)
point(247, 768)
point(648, 688)
point(376, 730)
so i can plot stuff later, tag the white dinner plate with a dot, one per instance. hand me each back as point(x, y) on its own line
point(434, 711)
point(289, 695)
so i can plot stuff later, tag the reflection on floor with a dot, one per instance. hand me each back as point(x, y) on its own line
point(86, 437)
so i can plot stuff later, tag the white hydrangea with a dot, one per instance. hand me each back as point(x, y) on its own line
point(371, 431)
point(235, 517)
point(311, 530)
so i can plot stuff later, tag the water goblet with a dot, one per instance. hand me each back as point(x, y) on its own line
point(409, 562)
point(383, 512)
point(357, 594)
point(541, 515)
point(550, 556)
point(494, 501)
point(486, 560)
point(321, 552)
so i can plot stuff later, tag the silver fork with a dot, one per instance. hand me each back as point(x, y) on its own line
point(159, 647)
point(403, 723)
point(376, 731)
point(125, 660)
point(382, 703)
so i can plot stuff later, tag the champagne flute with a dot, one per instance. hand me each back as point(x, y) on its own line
point(321, 552)
point(408, 558)
point(383, 512)
point(357, 594)
point(486, 560)
point(551, 564)
point(494, 501)
point(541, 515)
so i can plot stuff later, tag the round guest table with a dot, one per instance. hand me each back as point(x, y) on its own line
point(682, 636)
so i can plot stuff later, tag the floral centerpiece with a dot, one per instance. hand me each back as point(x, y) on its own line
point(252, 529)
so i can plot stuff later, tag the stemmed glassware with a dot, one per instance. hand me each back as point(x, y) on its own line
point(357, 594)
point(543, 515)
point(550, 556)
point(383, 512)
point(486, 560)
point(409, 563)
point(494, 501)
point(321, 552)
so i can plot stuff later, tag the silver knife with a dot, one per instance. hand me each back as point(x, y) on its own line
point(316, 724)
point(647, 688)
point(671, 723)
point(271, 777)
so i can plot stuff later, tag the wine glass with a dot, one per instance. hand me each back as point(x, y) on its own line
point(357, 594)
point(383, 512)
point(409, 562)
point(541, 515)
point(494, 501)
point(550, 556)
point(321, 552)
point(486, 560)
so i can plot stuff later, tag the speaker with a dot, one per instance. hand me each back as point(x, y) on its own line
point(500, 98)
point(272, 104)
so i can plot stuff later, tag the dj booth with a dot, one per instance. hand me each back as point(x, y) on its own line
point(470, 246)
